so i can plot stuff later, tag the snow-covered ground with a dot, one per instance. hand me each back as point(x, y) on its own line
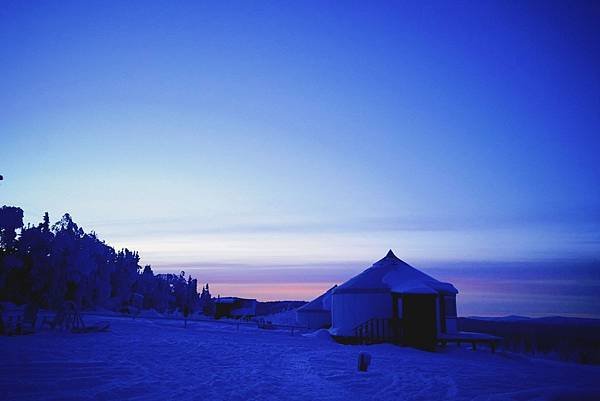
point(146, 359)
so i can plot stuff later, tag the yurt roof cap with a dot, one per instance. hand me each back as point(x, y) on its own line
point(392, 274)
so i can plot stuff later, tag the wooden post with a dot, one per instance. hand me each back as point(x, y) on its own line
point(364, 359)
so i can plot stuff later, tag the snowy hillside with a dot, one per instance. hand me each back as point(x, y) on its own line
point(147, 359)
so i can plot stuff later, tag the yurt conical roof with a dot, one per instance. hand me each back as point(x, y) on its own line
point(391, 274)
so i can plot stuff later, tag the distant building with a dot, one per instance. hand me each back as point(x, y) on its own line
point(235, 307)
point(393, 301)
point(317, 313)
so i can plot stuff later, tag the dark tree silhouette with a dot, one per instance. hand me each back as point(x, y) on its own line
point(46, 265)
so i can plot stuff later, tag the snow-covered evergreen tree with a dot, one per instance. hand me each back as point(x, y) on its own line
point(47, 265)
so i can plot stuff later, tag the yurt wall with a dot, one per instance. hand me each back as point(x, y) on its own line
point(352, 309)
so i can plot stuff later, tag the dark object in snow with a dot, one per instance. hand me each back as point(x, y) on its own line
point(66, 318)
point(1, 178)
point(134, 306)
point(186, 313)
point(69, 318)
point(364, 360)
point(30, 318)
point(11, 319)
point(265, 324)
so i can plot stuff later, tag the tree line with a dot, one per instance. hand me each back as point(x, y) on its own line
point(47, 265)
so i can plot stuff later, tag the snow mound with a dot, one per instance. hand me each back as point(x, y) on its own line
point(321, 334)
point(150, 313)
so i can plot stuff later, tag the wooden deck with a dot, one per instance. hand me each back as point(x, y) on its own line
point(471, 338)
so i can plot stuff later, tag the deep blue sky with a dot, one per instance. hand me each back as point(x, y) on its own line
point(275, 133)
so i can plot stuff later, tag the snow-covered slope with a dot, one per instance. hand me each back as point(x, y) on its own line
point(144, 359)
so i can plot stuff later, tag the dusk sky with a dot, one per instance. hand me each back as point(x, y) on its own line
point(277, 148)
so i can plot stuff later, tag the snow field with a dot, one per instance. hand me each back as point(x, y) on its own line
point(145, 359)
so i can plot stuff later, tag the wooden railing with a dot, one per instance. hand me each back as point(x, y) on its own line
point(378, 330)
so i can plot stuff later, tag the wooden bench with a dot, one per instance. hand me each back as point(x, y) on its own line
point(471, 338)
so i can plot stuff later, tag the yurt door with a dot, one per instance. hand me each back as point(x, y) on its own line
point(418, 320)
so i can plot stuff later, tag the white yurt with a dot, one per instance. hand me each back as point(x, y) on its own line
point(317, 313)
point(393, 299)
